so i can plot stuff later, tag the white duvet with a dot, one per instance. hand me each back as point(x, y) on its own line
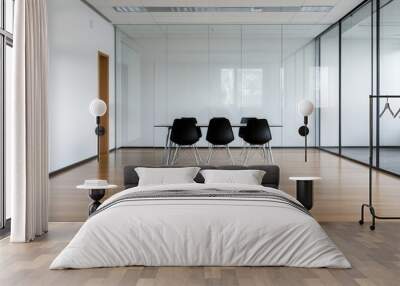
point(202, 232)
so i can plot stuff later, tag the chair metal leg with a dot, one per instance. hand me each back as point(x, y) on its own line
point(230, 154)
point(198, 154)
point(211, 149)
point(244, 147)
point(175, 155)
point(167, 147)
point(270, 153)
point(169, 153)
point(247, 155)
point(195, 155)
point(264, 154)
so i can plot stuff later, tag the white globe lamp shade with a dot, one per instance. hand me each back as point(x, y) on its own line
point(305, 107)
point(97, 107)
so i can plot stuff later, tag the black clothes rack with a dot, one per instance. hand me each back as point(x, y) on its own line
point(371, 155)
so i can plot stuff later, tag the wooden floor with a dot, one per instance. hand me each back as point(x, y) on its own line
point(375, 256)
point(338, 196)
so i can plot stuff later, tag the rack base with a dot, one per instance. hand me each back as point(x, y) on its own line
point(374, 216)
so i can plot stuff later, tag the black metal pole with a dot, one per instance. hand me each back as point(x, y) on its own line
point(371, 148)
point(98, 137)
point(305, 137)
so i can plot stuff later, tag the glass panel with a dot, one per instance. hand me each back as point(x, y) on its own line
point(298, 80)
point(188, 73)
point(389, 151)
point(1, 15)
point(141, 82)
point(2, 195)
point(225, 80)
point(9, 14)
point(329, 90)
point(8, 83)
point(169, 71)
point(356, 84)
point(261, 75)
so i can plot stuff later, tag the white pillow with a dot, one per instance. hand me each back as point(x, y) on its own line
point(166, 176)
point(248, 177)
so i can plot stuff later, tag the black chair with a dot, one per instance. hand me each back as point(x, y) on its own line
point(184, 133)
point(194, 120)
point(258, 134)
point(242, 129)
point(219, 133)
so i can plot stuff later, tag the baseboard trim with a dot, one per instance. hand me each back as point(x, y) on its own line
point(76, 164)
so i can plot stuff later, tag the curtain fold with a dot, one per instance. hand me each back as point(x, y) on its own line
point(28, 158)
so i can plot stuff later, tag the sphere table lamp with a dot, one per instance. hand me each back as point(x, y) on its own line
point(305, 108)
point(98, 108)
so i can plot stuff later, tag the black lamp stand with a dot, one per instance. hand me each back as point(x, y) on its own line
point(100, 131)
point(304, 131)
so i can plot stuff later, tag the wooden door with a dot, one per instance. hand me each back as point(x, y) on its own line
point(103, 66)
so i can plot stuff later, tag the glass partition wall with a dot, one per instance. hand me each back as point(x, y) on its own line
point(360, 56)
point(329, 90)
point(356, 83)
point(389, 51)
point(204, 71)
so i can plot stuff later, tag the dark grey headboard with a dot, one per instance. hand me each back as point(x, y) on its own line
point(271, 177)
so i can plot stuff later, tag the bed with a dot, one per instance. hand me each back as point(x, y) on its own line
point(198, 224)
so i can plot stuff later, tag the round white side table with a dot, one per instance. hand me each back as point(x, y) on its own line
point(96, 193)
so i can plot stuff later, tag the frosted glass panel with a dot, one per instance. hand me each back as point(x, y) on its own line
point(356, 60)
point(390, 85)
point(170, 71)
point(262, 94)
point(329, 90)
point(299, 74)
point(225, 82)
point(187, 74)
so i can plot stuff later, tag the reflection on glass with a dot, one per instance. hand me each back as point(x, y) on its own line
point(206, 71)
point(356, 83)
point(329, 90)
point(252, 87)
point(389, 133)
point(228, 85)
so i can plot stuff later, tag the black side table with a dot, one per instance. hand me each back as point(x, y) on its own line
point(96, 194)
point(304, 190)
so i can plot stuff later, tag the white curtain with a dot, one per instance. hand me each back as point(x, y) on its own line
point(28, 157)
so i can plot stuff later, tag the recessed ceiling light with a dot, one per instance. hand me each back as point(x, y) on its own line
point(204, 9)
point(322, 9)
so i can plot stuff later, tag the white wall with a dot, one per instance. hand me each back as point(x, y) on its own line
point(76, 34)
point(165, 72)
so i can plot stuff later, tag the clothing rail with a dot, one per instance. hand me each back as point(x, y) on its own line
point(369, 205)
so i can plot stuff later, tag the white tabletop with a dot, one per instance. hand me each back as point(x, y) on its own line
point(304, 178)
point(86, 187)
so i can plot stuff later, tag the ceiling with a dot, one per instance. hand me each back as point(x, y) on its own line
point(337, 10)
